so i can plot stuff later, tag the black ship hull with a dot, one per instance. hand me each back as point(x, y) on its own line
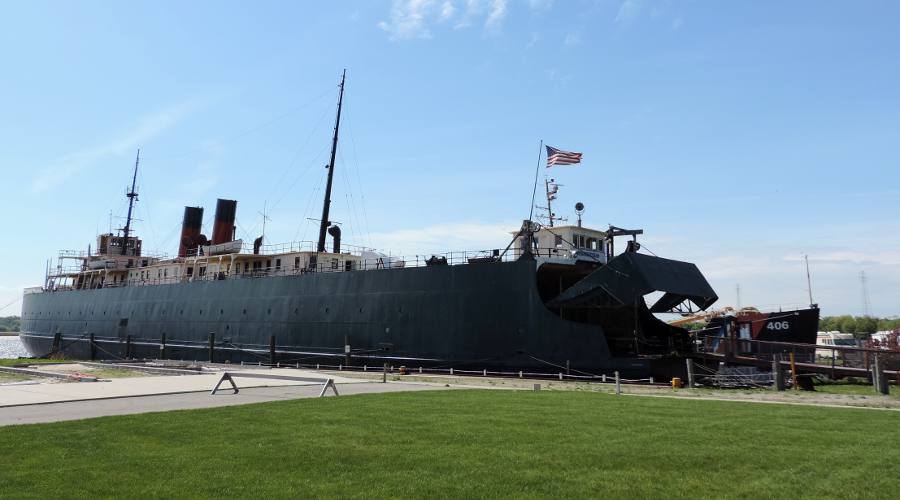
point(488, 315)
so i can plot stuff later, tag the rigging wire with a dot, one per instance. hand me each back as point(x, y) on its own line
point(255, 128)
point(353, 215)
point(295, 181)
point(11, 303)
point(296, 155)
point(362, 194)
point(144, 210)
point(303, 172)
point(304, 221)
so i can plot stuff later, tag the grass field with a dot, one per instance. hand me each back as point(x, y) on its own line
point(488, 444)
point(11, 362)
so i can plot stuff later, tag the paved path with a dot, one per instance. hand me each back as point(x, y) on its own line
point(76, 410)
point(15, 395)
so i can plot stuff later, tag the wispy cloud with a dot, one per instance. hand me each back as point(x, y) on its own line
point(663, 13)
point(496, 14)
point(441, 238)
point(447, 10)
point(572, 39)
point(409, 19)
point(147, 128)
point(853, 257)
point(537, 5)
point(414, 19)
point(629, 10)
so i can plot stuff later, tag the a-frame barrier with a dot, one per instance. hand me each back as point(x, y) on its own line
point(230, 376)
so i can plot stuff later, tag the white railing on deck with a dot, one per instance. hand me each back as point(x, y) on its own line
point(326, 266)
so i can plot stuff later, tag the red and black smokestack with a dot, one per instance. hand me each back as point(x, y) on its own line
point(223, 229)
point(190, 229)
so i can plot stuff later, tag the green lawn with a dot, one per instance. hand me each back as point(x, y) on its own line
point(859, 387)
point(462, 444)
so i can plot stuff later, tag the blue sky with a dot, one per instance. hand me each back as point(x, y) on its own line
point(738, 135)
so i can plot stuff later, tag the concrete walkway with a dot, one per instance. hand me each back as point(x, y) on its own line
point(25, 394)
point(76, 410)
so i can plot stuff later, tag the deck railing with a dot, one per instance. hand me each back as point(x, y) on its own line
point(326, 264)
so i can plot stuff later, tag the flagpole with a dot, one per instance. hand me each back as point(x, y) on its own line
point(536, 170)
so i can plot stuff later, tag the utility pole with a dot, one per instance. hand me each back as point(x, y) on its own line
point(326, 206)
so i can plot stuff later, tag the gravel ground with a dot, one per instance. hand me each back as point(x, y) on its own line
point(749, 395)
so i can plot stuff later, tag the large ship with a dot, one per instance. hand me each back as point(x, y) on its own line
point(555, 297)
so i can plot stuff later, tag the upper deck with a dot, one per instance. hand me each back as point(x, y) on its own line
point(297, 258)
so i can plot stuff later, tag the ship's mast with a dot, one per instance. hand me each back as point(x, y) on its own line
point(808, 281)
point(132, 195)
point(326, 206)
point(549, 199)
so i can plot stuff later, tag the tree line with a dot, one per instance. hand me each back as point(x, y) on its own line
point(861, 326)
point(9, 324)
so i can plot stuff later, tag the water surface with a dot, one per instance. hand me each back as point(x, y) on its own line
point(11, 347)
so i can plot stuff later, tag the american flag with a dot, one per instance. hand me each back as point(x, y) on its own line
point(559, 157)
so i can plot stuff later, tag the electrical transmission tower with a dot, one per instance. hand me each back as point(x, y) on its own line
point(863, 282)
